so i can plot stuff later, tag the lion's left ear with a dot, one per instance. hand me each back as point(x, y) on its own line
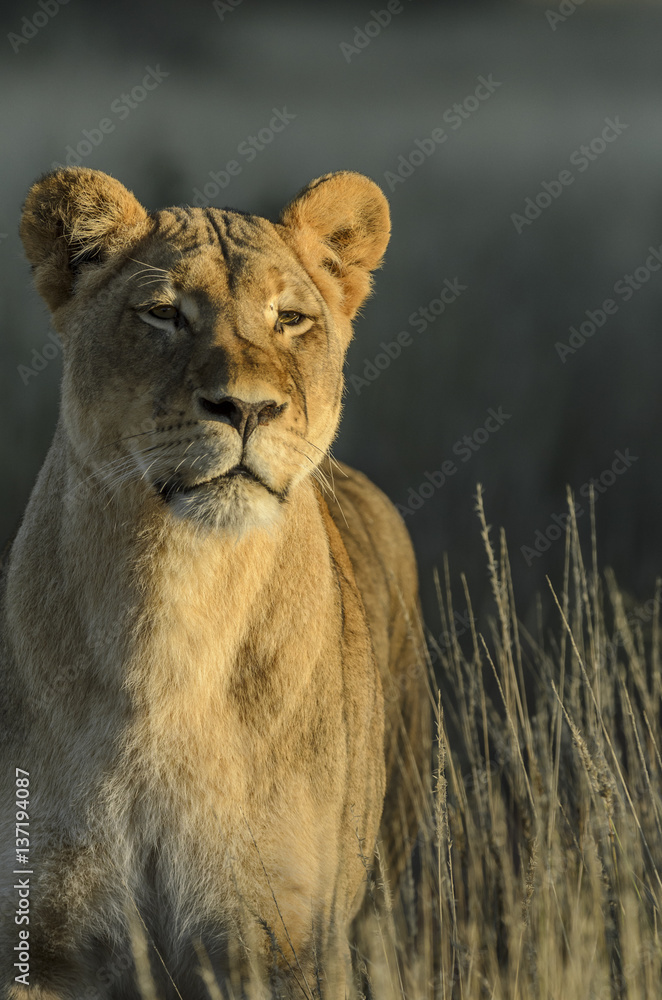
point(73, 216)
point(340, 223)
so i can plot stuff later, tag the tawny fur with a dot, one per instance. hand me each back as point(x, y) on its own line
point(194, 658)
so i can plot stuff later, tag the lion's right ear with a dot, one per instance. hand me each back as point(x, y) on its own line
point(74, 216)
point(340, 224)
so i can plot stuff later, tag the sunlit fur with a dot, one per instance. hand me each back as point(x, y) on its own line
point(200, 630)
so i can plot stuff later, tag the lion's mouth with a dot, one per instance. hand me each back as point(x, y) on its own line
point(171, 487)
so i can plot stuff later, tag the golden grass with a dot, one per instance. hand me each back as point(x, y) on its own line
point(539, 876)
point(537, 867)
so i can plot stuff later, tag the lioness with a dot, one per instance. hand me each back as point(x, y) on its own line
point(201, 623)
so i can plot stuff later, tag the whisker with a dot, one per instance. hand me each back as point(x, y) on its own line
point(321, 478)
point(326, 453)
point(151, 281)
point(333, 483)
point(316, 468)
point(337, 465)
point(119, 470)
point(183, 457)
point(147, 267)
point(117, 461)
point(314, 473)
point(127, 437)
point(150, 466)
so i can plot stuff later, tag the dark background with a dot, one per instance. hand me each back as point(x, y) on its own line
point(493, 347)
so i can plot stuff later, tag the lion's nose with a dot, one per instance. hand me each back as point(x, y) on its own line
point(243, 416)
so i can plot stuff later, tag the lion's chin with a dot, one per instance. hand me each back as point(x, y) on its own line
point(235, 502)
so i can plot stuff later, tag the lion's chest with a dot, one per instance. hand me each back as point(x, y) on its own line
point(241, 809)
point(240, 758)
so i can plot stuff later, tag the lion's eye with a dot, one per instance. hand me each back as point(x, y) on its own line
point(164, 312)
point(290, 318)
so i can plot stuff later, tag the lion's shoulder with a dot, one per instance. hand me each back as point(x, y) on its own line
point(367, 520)
point(379, 549)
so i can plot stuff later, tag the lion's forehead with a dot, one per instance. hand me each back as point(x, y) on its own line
point(224, 256)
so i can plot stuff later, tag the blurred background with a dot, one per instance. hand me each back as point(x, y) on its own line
point(514, 335)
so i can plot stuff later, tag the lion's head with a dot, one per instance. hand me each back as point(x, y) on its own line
point(203, 349)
